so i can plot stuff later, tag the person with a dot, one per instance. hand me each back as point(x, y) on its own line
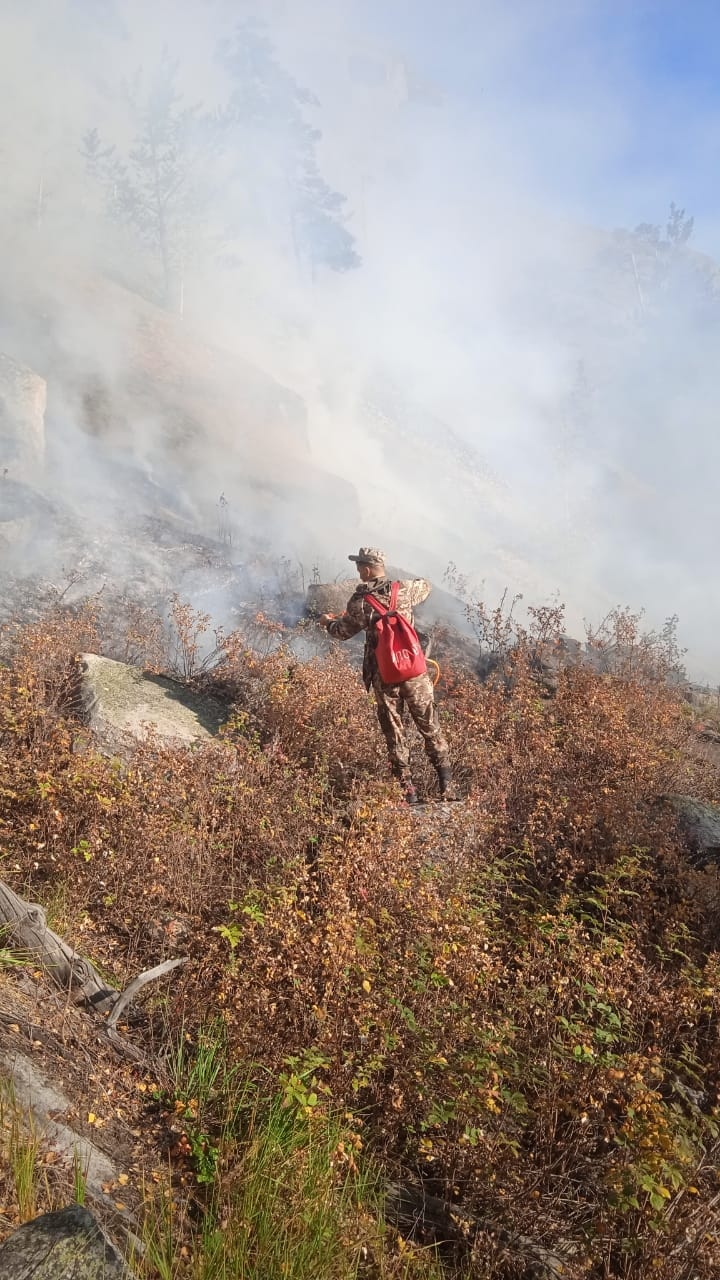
point(416, 694)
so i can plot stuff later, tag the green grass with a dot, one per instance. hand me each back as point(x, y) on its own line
point(79, 1174)
point(291, 1196)
point(19, 1152)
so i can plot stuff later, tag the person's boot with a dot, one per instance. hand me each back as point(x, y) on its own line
point(406, 784)
point(410, 795)
point(445, 779)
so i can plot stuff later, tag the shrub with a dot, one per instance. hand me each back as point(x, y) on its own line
point(515, 1002)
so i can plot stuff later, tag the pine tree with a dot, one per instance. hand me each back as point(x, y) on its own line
point(162, 188)
point(276, 147)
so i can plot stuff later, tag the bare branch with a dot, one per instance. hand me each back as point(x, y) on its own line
point(149, 975)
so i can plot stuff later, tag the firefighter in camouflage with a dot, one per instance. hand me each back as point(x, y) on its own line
point(416, 694)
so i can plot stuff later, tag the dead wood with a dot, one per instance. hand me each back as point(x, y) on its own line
point(430, 1219)
point(149, 975)
point(25, 928)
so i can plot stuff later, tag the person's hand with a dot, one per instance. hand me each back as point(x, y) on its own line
point(325, 618)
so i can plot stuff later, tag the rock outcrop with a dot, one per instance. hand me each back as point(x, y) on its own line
point(51, 1111)
point(23, 398)
point(329, 597)
point(121, 703)
point(151, 389)
point(699, 823)
point(65, 1245)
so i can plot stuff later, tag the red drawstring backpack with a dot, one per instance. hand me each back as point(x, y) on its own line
point(398, 650)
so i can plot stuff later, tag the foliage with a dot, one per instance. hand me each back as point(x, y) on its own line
point(193, 181)
point(286, 1196)
point(265, 119)
point(21, 1173)
point(657, 258)
point(162, 187)
point(516, 1003)
point(678, 230)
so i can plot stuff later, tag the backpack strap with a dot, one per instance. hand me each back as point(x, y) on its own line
point(382, 609)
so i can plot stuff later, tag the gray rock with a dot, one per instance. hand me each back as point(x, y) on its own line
point(119, 702)
point(23, 396)
point(699, 823)
point(25, 514)
point(65, 1245)
point(329, 597)
point(49, 1109)
point(702, 696)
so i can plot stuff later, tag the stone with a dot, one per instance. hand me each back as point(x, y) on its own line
point(329, 597)
point(65, 1245)
point(26, 516)
point(119, 702)
point(23, 398)
point(699, 823)
point(50, 1110)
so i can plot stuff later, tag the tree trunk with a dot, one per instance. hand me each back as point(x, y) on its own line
point(25, 928)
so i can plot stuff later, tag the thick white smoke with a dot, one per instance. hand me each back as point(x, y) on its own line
point(503, 382)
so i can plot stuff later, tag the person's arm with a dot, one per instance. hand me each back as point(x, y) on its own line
point(348, 624)
point(419, 590)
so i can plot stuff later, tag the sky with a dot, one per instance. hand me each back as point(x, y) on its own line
point(488, 152)
point(650, 68)
point(556, 118)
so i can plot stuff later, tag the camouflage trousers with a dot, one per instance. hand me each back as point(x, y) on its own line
point(418, 696)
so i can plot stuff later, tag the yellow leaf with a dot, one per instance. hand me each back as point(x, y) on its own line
point(91, 1117)
point(123, 1179)
point(366, 985)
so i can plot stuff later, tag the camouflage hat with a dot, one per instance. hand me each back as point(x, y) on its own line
point(368, 555)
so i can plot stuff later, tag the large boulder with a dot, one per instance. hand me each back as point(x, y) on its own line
point(328, 597)
point(699, 823)
point(119, 702)
point(65, 1245)
point(702, 696)
point(23, 397)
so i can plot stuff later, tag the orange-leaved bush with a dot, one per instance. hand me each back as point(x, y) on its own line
point(514, 999)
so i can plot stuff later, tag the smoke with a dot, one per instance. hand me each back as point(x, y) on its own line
point(506, 381)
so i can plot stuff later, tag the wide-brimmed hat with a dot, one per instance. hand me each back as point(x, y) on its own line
point(368, 555)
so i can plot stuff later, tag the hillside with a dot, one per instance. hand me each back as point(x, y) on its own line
point(134, 395)
point(496, 1020)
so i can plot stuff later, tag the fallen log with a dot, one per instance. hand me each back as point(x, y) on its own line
point(25, 928)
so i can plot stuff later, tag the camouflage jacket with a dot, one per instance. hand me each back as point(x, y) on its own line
point(359, 614)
